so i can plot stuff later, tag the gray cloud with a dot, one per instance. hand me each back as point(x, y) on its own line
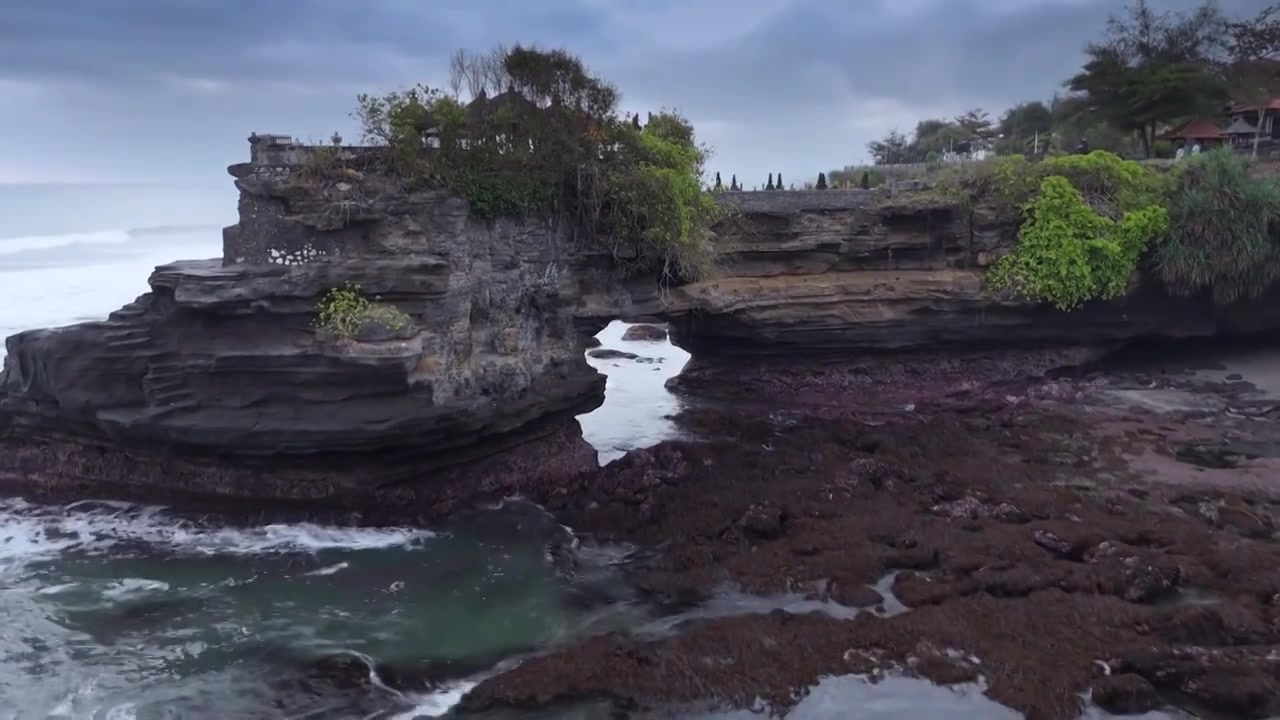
point(144, 90)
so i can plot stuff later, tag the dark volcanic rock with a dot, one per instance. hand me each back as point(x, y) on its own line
point(611, 354)
point(1125, 695)
point(644, 332)
point(763, 523)
point(218, 373)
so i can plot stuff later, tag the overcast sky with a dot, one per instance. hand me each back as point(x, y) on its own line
point(168, 90)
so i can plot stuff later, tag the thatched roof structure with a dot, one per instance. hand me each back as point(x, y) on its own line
point(518, 105)
point(1192, 130)
point(478, 108)
point(1240, 128)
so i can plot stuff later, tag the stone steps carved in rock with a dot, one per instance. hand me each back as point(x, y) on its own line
point(127, 337)
point(132, 310)
point(165, 385)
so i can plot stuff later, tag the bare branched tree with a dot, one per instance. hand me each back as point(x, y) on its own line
point(495, 69)
point(457, 72)
point(474, 74)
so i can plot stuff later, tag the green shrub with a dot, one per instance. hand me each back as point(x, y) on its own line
point(1068, 254)
point(346, 313)
point(1223, 236)
point(551, 143)
point(1110, 185)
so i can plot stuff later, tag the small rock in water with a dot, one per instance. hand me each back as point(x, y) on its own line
point(342, 670)
point(645, 333)
point(1066, 541)
point(611, 354)
point(593, 342)
point(1125, 694)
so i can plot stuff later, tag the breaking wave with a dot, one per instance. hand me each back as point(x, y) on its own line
point(30, 532)
point(10, 246)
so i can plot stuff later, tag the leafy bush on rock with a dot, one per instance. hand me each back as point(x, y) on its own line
point(345, 313)
point(1068, 254)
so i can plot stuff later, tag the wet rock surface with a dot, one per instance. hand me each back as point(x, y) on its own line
point(1030, 533)
point(645, 333)
point(1125, 694)
point(611, 354)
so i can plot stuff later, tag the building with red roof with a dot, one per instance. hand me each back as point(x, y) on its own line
point(1198, 130)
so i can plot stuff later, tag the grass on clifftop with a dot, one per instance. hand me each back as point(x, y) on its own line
point(1086, 222)
point(542, 135)
point(1223, 230)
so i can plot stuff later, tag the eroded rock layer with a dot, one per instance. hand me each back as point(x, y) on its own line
point(849, 272)
point(222, 359)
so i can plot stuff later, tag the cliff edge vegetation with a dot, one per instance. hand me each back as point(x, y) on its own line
point(1087, 223)
point(542, 135)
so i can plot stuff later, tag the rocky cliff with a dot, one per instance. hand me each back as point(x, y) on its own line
point(845, 272)
point(219, 374)
point(217, 383)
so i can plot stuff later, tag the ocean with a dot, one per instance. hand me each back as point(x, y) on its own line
point(75, 252)
point(111, 611)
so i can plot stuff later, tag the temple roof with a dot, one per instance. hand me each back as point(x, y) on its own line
point(1240, 127)
point(1197, 129)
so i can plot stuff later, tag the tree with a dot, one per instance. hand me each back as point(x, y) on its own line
point(770, 185)
point(1152, 68)
point(937, 136)
point(635, 121)
point(778, 185)
point(1074, 121)
point(733, 183)
point(822, 181)
point(457, 72)
point(719, 185)
point(977, 128)
point(866, 180)
point(1025, 126)
point(890, 149)
point(1252, 64)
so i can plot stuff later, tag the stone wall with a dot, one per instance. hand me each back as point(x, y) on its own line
point(783, 202)
point(283, 151)
point(290, 224)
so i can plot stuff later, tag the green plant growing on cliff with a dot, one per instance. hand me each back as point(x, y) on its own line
point(1068, 253)
point(550, 142)
point(1109, 184)
point(1225, 230)
point(324, 164)
point(346, 313)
